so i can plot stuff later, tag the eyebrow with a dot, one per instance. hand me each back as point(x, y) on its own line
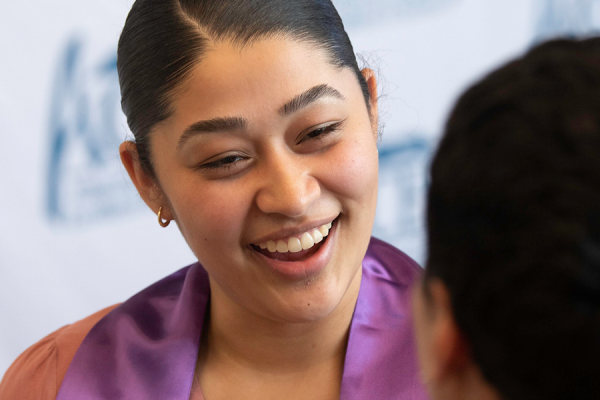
point(211, 126)
point(310, 96)
point(223, 124)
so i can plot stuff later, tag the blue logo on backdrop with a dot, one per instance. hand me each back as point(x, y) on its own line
point(567, 18)
point(360, 12)
point(85, 178)
point(401, 201)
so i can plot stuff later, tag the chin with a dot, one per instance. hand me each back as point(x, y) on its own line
point(316, 299)
point(308, 311)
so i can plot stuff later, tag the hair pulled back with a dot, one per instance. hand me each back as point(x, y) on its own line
point(164, 39)
point(514, 222)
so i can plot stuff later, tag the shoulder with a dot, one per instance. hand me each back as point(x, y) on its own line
point(38, 372)
point(386, 260)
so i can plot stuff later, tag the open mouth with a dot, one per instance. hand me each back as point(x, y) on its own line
point(298, 247)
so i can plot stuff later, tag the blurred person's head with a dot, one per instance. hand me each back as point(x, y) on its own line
point(509, 306)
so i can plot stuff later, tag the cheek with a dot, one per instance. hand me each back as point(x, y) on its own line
point(210, 217)
point(353, 172)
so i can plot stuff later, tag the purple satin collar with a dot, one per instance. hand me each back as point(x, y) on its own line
point(381, 356)
point(146, 349)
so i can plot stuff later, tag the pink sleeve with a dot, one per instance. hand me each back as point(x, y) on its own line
point(33, 374)
point(38, 373)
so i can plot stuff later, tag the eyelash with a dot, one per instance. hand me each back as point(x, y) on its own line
point(222, 162)
point(322, 131)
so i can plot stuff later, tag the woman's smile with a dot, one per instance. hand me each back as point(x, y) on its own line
point(294, 240)
point(299, 256)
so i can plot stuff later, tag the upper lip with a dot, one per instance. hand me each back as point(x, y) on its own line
point(287, 232)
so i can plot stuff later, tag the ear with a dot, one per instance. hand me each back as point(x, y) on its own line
point(145, 184)
point(448, 347)
point(369, 76)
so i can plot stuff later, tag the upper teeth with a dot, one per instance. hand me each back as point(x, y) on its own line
point(295, 244)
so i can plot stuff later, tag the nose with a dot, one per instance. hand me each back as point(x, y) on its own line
point(287, 186)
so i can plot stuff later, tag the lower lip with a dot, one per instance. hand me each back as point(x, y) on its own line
point(308, 268)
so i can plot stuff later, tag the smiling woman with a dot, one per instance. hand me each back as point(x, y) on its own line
point(256, 133)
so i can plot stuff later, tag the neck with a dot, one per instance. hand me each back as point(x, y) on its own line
point(243, 338)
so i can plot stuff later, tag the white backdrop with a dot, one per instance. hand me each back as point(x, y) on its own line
point(74, 236)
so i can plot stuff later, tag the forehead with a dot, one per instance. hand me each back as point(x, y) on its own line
point(230, 79)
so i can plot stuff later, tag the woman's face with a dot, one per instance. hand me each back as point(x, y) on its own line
point(268, 143)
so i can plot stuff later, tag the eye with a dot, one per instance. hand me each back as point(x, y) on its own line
point(225, 165)
point(224, 162)
point(321, 131)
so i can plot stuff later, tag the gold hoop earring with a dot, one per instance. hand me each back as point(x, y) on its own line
point(162, 223)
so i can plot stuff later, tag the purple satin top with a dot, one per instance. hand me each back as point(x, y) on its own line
point(146, 349)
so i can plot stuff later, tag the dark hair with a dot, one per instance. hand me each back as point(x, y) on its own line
point(513, 222)
point(164, 39)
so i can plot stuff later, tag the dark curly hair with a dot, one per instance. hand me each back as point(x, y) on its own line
point(513, 219)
